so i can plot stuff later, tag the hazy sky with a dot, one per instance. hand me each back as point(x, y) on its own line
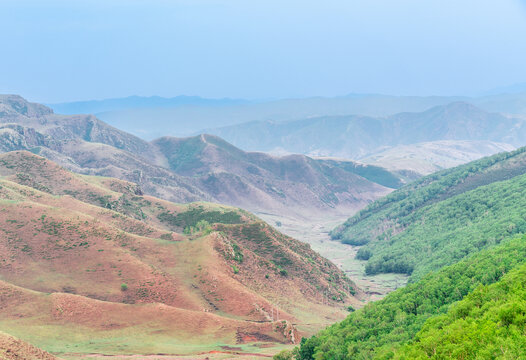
point(53, 51)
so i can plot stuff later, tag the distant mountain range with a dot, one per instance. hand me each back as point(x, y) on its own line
point(191, 169)
point(405, 140)
point(136, 102)
point(151, 117)
point(375, 129)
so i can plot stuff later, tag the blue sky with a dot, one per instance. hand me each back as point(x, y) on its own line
point(54, 51)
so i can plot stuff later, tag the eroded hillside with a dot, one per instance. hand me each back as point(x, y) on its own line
point(107, 269)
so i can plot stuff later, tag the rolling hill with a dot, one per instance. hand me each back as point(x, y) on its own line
point(192, 169)
point(91, 265)
point(441, 218)
point(429, 157)
point(265, 183)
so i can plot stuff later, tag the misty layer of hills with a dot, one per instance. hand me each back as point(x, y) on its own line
point(199, 168)
point(416, 134)
point(151, 117)
point(357, 136)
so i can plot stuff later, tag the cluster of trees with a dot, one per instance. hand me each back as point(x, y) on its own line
point(197, 213)
point(398, 325)
point(490, 323)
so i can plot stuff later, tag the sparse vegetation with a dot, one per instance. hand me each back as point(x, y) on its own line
point(106, 246)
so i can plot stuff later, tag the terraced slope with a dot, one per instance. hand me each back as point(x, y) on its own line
point(438, 220)
point(90, 264)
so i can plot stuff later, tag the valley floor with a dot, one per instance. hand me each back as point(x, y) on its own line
point(316, 233)
point(241, 352)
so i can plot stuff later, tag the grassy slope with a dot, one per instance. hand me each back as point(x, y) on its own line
point(71, 241)
point(380, 328)
point(441, 218)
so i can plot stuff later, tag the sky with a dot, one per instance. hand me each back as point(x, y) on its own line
point(58, 51)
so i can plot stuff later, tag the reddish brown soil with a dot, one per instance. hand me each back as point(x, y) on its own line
point(12, 348)
point(93, 252)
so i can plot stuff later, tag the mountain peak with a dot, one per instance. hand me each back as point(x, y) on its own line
point(15, 104)
point(458, 106)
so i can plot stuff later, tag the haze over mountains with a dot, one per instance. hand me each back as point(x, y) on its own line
point(400, 133)
point(190, 169)
point(132, 252)
point(440, 137)
point(309, 181)
point(151, 117)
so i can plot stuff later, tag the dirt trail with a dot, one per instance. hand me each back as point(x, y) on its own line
point(211, 355)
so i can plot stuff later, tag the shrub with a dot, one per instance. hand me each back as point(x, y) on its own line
point(283, 355)
point(124, 287)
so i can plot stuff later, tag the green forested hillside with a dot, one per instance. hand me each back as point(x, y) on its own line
point(490, 323)
point(380, 328)
point(438, 220)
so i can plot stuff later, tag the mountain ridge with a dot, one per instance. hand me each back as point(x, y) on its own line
point(453, 121)
point(87, 145)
